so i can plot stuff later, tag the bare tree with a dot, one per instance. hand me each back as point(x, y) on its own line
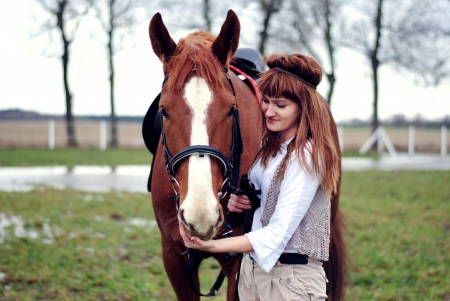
point(61, 13)
point(268, 9)
point(425, 24)
point(312, 26)
point(401, 33)
point(195, 14)
point(206, 14)
point(115, 16)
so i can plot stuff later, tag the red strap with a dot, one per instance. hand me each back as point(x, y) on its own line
point(252, 82)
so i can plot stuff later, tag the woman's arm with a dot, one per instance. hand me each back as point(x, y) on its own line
point(238, 244)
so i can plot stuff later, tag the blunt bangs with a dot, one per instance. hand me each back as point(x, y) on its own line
point(275, 84)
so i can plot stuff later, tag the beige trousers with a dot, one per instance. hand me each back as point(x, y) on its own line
point(283, 282)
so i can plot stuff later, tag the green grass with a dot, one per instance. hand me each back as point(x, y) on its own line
point(370, 154)
point(398, 236)
point(72, 157)
point(94, 251)
point(95, 254)
point(399, 228)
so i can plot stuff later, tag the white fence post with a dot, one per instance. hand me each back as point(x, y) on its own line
point(382, 138)
point(51, 134)
point(411, 140)
point(443, 141)
point(102, 141)
point(380, 144)
point(340, 132)
point(372, 139)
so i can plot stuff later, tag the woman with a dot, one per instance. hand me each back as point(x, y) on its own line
point(296, 170)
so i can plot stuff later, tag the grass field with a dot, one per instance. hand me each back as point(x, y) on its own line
point(71, 245)
point(72, 157)
point(80, 156)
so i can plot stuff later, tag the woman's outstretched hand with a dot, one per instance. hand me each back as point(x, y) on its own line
point(194, 242)
point(239, 203)
point(238, 244)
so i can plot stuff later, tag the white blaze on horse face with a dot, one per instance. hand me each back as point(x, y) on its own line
point(200, 205)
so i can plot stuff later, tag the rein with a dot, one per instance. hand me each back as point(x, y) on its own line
point(230, 178)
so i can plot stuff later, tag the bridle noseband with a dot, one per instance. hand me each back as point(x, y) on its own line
point(231, 165)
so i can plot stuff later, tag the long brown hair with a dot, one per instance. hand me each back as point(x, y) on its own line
point(286, 78)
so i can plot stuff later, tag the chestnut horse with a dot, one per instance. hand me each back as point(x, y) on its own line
point(198, 106)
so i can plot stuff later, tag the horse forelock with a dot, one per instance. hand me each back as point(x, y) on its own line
point(194, 57)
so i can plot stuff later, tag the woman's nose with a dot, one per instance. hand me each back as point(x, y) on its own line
point(270, 112)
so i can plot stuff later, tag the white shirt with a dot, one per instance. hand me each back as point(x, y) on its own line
point(296, 194)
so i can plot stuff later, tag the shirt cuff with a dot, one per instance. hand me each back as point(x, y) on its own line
point(266, 260)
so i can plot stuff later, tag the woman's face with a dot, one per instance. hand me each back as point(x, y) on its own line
point(282, 115)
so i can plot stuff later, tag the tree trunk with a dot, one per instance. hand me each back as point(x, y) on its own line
point(71, 137)
point(331, 80)
point(330, 76)
point(113, 118)
point(375, 65)
point(264, 35)
point(269, 8)
point(206, 8)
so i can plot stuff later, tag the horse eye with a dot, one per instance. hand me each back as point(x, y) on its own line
point(164, 113)
point(231, 112)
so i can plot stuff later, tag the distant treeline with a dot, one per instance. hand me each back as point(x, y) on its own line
point(16, 114)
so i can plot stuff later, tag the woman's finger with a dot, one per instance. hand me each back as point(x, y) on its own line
point(233, 208)
point(187, 241)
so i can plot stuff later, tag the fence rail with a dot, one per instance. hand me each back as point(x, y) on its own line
point(95, 134)
point(404, 139)
point(51, 134)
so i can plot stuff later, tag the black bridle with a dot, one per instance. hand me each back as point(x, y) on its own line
point(231, 165)
point(230, 178)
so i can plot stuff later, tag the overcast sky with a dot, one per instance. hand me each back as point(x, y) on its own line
point(32, 80)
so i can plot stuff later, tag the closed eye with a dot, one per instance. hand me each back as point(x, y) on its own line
point(164, 113)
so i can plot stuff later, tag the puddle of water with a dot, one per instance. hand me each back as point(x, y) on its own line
point(133, 178)
point(84, 178)
point(398, 162)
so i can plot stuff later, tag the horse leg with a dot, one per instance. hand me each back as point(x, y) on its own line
point(230, 267)
point(175, 266)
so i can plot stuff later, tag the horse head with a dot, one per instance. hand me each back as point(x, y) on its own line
point(197, 105)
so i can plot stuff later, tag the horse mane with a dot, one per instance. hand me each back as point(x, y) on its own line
point(194, 53)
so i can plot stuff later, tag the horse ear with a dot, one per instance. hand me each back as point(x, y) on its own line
point(226, 43)
point(162, 43)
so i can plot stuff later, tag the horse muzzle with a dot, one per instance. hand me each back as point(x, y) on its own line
point(205, 228)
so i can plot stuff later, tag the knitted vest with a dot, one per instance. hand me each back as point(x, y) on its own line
point(312, 237)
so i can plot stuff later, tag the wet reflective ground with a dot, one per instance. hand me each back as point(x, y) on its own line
point(398, 162)
point(86, 178)
point(134, 178)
